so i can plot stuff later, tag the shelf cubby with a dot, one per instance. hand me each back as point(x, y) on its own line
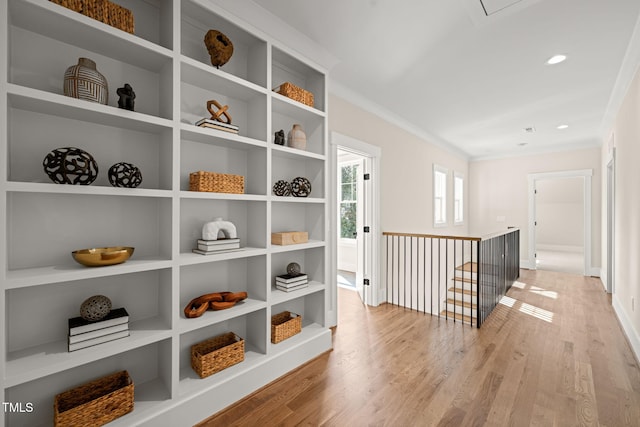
point(286, 113)
point(46, 228)
point(35, 134)
point(216, 154)
point(251, 327)
point(148, 365)
point(287, 68)
point(44, 67)
point(249, 59)
point(298, 217)
point(37, 327)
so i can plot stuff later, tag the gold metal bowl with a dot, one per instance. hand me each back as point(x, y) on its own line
point(97, 257)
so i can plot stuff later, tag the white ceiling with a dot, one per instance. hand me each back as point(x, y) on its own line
point(447, 70)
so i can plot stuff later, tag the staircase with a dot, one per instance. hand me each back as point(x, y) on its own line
point(461, 296)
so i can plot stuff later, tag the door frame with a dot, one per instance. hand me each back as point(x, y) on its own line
point(374, 153)
point(587, 175)
point(610, 280)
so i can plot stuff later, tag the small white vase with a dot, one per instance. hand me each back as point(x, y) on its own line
point(296, 138)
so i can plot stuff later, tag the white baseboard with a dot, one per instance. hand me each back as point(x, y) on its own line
point(627, 326)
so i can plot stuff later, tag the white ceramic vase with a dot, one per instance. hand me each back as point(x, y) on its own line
point(296, 138)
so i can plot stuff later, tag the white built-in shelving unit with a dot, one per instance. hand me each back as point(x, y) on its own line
point(168, 66)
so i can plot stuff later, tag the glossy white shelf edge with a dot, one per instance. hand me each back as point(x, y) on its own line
point(290, 103)
point(189, 258)
point(95, 190)
point(70, 272)
point(212, 317)
point(291, 199)
point(213, 136)
point(300, 246)
point(281, 150)
point(23, 97)
point(279, 297)
point(36, 362)
point(209, 69)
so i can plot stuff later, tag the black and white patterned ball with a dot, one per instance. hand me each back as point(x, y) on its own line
point(125, 174)
point(95, 308)
point(70, 165)
point(282, 188)
point(300, 187)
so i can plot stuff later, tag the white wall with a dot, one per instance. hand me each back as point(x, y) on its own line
point(406, 169)
point(560, 214)
point(499, 191)
point(626, 139)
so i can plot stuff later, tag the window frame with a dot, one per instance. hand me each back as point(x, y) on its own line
point(458, 176)
point(438, 169)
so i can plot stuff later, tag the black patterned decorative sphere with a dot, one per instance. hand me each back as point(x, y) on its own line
point(282, 188)
point(95, 308)
point(70, 165)
point(293, 269)
point(125, 174)
point(300, 187)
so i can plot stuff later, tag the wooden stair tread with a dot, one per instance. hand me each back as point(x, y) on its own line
point(458, 302)
point(469, 267)
point(457, 316)
point(465, 280)
point(462, 291)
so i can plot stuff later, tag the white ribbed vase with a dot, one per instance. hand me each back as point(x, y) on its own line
point(83, 81)
point(296, 138)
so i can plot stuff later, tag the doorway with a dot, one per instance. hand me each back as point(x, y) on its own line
point(560, 221)
point(355, 213)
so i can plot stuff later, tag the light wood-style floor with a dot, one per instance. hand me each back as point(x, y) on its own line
point(552, 355)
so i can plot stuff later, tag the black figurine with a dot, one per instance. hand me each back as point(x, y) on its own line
point(127, 95)
point(279, 138)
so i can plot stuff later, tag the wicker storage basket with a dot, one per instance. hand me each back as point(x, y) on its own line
point(216, 354)
point(95, 403)
point(296, 93)
point(216, 182)
point(285, 325)
point(103, 11)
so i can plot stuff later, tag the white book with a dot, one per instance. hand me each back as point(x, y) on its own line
point(99, 340)
point(98, 333)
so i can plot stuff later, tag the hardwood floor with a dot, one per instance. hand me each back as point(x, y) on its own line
point(552, 355)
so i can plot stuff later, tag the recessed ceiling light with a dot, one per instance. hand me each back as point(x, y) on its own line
point(563, 127)
point(556, 59)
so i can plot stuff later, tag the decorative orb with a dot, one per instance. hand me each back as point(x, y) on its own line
point(125, 174)
point(219, 46)
point(282, 188)
point(293, 269)
point(70, 165)
point(300, 187)
point(95, 308)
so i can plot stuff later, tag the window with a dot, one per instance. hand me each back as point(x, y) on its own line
point(458, 198)
point(439, 196)
point(348, 200)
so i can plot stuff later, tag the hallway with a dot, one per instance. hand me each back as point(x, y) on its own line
point(551, 354)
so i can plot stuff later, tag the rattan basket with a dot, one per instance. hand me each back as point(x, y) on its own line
point(103, 11)
point(285, 325)
point(95, 403)
point(296, 93)
point(216, 354)
point(216, 182)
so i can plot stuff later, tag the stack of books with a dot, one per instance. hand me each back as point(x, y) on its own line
point(288, 282)
point(214, 124)
point(209, 247)
point(84, 333)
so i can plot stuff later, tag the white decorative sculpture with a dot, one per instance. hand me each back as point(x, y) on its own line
point(211, 230)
